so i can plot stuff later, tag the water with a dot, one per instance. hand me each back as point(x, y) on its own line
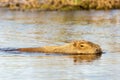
point(33, 29)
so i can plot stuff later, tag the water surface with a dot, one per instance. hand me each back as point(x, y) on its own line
point(33, 29)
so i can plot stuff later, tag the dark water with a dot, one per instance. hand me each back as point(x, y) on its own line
point(33, 29)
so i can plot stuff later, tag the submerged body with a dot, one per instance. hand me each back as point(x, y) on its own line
point(75, 47)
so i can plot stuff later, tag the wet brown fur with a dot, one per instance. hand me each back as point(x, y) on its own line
point(75, 47)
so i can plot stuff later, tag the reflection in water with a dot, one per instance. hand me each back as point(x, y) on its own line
point(76, 58)
point(33, 29)
point(88, 17)
point(85, 58)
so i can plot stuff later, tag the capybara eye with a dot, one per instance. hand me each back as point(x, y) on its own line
point(81, 45)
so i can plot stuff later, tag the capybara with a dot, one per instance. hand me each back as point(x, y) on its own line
point(75, 47)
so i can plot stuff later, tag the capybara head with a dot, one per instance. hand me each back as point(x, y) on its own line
point(87, 47)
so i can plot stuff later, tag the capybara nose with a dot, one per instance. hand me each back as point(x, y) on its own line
point(98, 50)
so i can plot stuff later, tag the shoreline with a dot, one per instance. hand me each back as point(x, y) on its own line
point(53, 5)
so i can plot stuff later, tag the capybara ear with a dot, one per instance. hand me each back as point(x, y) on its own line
point(74, 43)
